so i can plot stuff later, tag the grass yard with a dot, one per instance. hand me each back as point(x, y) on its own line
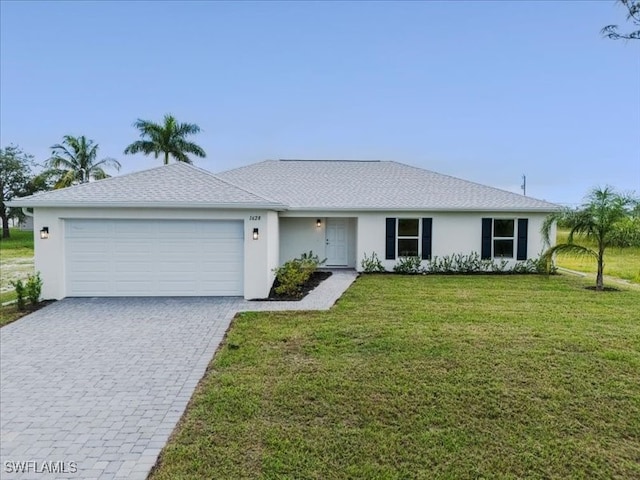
point(424, 377)
point(619, 262)
point(16, 261)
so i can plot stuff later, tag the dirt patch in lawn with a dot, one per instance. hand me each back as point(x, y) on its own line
point(605, 289)
point(18, 268)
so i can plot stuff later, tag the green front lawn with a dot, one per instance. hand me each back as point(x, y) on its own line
point(424, 377)
point(18, 245)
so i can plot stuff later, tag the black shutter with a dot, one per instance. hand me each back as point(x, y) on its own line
point(427, 225)
point(486, 238)
point(390, 253)
point(523, 226)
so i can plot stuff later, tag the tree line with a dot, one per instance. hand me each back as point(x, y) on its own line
point(75, 161)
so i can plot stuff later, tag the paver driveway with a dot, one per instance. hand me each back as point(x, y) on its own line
point(95, 386)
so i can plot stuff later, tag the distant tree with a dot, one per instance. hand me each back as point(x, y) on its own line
point(15, 174)
point(611, 31)
point(37, 183)
point(597, 219)
point(74, 161)
point(168, 138)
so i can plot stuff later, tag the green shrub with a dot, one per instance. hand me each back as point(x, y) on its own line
point(372, 264)
point(21, 293)
point(34, 288)
point(532, 265)
point(472, 263)
point(409, 266)
point(292, 275)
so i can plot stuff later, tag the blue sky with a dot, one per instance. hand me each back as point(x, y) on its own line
point(484, 91)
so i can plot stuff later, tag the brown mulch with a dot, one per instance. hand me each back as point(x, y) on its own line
point(316, 279)
point(10, 313)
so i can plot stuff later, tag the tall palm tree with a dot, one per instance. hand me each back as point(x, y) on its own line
point(74, 161)
point(595, 220)
point(168, 138)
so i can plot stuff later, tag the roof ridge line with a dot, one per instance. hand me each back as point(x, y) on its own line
point(327, 160)
point(231, 184)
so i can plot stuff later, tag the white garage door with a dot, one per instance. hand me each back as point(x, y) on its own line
point(153, 258)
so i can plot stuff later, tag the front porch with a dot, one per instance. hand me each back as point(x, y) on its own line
point(333, 238)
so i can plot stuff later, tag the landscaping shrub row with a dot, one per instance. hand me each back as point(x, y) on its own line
point(453, 264)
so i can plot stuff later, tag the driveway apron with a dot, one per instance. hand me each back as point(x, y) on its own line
point(92, 388)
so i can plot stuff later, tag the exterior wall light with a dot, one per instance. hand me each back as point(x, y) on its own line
point(256, 233)
point(44, 233)
point(319, 223)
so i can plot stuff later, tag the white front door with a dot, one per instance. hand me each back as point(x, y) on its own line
point(336, 242)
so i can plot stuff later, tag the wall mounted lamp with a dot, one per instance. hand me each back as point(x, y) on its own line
point(44, 233)
point(256, 233)
point(319, 223)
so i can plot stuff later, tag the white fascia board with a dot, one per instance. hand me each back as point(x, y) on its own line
point(423, 209)
point(243, 206)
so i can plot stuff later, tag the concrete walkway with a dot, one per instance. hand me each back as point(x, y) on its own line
point(323, 297)
point(93, 387)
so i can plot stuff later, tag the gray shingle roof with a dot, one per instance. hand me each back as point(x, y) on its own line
point(174, 185)
point(375, 185)
point(291, 184)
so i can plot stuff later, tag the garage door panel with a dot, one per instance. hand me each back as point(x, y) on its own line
point(131, 249)
point(90, 261)
point(86, 288)
point(153, 257)
point(178, 227)
point(219, 270)
point(137, 229)
point(139, 289)
point(129, 270)
point(87, 229)
point(90, 248)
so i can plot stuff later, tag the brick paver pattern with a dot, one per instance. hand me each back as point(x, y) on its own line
point(97, 385)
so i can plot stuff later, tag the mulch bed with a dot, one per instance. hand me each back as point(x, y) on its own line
point(10, 313)
point(316, 279)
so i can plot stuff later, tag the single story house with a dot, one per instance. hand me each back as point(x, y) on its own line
point(178, 230)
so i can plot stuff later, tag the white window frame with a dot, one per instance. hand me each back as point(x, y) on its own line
point(408, 237)
point(512, 238)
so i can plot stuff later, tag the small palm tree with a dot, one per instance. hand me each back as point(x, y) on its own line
point(74, 161)
point(168, 138)
point(596, 220)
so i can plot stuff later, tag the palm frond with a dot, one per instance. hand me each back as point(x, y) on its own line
point(74, 161)
point(167, 137)
point(67, 178)
point(141, 146)
point(569, 248)
point(99, 174)
point(108, 162)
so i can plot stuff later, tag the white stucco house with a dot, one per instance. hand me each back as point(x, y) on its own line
point(178, 230)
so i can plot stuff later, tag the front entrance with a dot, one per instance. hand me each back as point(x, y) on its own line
point(336, 242)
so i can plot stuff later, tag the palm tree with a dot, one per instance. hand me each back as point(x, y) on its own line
point(74, 161)
point(596, 220)
point(168, 138)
